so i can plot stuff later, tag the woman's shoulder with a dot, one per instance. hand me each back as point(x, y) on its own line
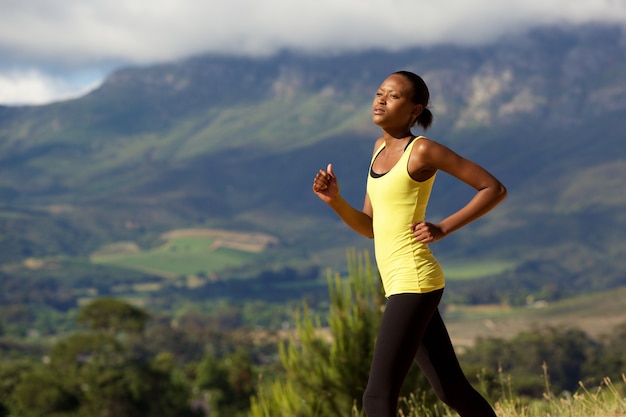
point(424, 144)
point(432, 153)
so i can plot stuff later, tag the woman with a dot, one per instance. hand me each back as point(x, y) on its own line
point(400, 179)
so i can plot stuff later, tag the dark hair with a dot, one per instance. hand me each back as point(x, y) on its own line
point(420, 96)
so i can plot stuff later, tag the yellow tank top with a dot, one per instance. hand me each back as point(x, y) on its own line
point(405, 265)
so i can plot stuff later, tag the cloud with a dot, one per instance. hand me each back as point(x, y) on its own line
point(76, 34)
point(33, 88)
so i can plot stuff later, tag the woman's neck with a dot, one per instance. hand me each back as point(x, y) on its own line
point(396, 141)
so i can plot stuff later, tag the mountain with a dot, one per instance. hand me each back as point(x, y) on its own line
point(233, 143)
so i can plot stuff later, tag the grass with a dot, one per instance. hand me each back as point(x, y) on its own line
point(606, 400)
point(475, 269)
point(595, 314)
point(179, 256)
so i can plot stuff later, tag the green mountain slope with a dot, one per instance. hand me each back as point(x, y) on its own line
point(233, 143)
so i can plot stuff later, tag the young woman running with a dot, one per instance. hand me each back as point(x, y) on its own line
point(401, 175)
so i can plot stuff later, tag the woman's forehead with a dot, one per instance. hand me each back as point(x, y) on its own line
point(396, 82)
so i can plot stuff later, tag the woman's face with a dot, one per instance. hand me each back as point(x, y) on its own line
point(392, 106)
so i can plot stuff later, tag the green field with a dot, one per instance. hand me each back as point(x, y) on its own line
point(195, 256)
point(475, 269)
point(180, 256)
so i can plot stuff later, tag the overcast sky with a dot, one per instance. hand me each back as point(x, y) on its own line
point(51, 50)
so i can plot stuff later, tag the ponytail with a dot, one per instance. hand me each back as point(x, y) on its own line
point(425, 119)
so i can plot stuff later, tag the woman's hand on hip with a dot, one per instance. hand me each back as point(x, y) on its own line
point(425, 232)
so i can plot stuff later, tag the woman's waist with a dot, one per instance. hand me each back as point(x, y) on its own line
point(396, 230)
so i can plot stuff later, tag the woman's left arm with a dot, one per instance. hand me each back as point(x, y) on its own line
point(489, 191)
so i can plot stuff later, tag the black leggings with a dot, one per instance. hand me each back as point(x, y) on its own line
point(412, 329)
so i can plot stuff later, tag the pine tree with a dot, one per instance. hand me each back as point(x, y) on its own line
point(326, 368)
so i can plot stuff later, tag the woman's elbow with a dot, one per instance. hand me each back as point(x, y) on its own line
point(501, 191)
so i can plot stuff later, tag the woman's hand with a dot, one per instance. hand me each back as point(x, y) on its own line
point(489, 191)
point(425, 232)
point(325, 185)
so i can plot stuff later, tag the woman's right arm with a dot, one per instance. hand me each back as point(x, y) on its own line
point(326, 187)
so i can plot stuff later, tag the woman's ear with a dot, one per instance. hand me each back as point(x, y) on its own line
point(417, 110)
point(415, 113)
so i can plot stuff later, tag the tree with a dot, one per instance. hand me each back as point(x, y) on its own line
point(612, 363)
point(228, 383)
point(11, 373)
point(564, 352)
point(99, 373)
point(326, 369)
point(113, 316)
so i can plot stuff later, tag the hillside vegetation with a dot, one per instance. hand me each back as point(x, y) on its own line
point(124, 360)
